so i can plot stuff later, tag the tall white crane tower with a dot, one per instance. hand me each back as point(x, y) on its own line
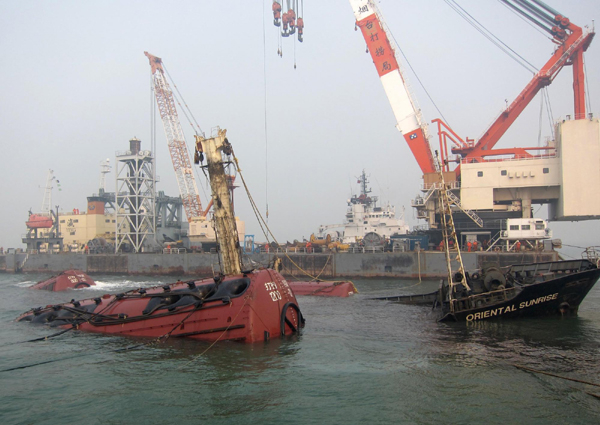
point(104, 170)
point(175, 140)
point(47, 201)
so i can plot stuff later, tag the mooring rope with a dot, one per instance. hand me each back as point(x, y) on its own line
point(528, 369)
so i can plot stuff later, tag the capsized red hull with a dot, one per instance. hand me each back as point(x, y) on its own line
point(324, 289)
point(252, 307)
point(69, 279)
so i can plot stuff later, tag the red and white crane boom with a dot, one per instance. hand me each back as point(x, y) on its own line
point(176, 141)
point(409, 122)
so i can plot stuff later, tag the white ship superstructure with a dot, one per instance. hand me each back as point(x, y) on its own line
point(365, 217)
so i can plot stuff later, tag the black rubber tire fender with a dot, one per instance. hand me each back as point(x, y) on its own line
point(285, 320)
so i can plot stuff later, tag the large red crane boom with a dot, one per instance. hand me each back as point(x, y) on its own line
point(407, 115)
point(572, 42)
point(176, 141)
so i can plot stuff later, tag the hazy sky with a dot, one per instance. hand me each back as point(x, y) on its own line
point(76, 88)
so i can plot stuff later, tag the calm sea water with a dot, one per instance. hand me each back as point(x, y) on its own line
point(357, 361)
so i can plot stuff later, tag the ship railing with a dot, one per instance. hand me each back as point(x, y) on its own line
point(485, 299)
point(174, 250)
point(351, 249)
point(549, 268)
point(282, 250)
point(425, 187)
point(367, 249)
point(516, 157)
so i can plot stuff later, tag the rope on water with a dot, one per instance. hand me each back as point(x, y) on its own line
point(72, 357)
point(528, 369)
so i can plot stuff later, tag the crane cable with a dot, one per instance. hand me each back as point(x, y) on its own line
point(263, 224)
point(587, 85)
point(499, 43)
point(397, 47)
point(265, 115)
point(491, 37)
point(177, 95)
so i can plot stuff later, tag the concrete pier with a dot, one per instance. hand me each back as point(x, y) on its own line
point(413, 264)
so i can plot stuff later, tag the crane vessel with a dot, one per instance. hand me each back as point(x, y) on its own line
point(492, 190)
point(544, 288)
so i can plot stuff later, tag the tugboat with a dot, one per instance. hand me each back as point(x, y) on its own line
point(249, 306)
point(548, 288)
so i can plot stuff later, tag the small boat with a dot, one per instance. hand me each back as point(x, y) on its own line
point(69, 279)
point(524, 290)
point(39, 221)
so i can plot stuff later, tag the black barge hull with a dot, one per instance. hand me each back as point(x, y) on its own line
point(537, 289)
point(560, 296)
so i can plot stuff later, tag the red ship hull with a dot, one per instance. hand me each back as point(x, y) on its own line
point(69, 279)
point(324, 289)
point(252, 307)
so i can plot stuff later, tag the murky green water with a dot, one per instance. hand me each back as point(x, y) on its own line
point(357, 361)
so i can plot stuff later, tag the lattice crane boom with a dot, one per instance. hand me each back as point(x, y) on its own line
point(177, 146)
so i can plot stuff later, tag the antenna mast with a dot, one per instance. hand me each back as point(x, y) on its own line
point(47, 201)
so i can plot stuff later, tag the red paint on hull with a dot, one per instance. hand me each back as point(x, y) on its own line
point(252, 307)
point(69, 279)
point(324, 289)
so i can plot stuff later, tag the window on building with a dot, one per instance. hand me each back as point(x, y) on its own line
point(546, 170)
point(479, 173)
point(503, 172)
point(526, 227)
point(107, 221)
point(75, 221)
point(539, 226)
point(62, 221)
point(514, 227)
